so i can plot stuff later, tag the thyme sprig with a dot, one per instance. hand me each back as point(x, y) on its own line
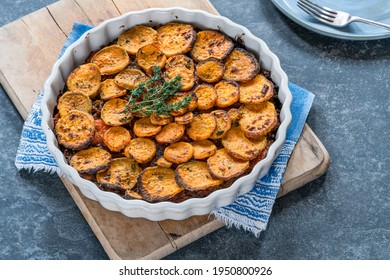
point(151, 96)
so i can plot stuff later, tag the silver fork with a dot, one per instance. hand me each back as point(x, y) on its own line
point(333, 17)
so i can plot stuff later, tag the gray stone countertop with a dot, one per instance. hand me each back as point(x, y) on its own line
point(342, 215)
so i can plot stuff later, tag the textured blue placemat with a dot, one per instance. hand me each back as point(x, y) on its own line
point(250, 211)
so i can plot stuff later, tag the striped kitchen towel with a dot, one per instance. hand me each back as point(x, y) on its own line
point(250, 211)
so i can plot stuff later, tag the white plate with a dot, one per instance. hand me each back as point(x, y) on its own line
point(377, 10)
point(105, 33)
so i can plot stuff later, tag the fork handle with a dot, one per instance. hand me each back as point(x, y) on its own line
point(386, 26)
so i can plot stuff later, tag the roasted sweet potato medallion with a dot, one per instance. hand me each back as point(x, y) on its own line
point(167, 113)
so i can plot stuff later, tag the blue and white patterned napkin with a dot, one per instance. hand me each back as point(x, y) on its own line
point(250, 211)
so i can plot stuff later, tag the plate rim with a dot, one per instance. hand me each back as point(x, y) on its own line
point(303, 23)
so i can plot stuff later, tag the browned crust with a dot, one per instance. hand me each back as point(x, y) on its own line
point(241, 66)
point(210, 70)
point(163, 162)
point(180, 96)
point(211, 43)
point(74, 101)
point(201, 127)
point(206, 96)
point(85, 79)
point(223, 166)
point(109, 89)
point(203, 149)
point(149, 57)
point(184, 119)
point(142, 150)
point(240, 147)
point(116, 138)
point(179, 152)
point(194, 176)
point(160, 119)
point(137, 37)
point(234, 114)
point(158, 184)
point(223, 124)
point(183, 66)
point(75, 130)
point(91, 160)
point(175, 38)
point(258, 120)
point(113, 113)
point(122, 174)
point(111, 59)
point(257, 90)
point(131, 194)
point(170, 133)
point(130, 78)
point(144, 128)
point(228, 93)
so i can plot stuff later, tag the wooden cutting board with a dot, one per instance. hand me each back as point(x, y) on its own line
point(29, 47)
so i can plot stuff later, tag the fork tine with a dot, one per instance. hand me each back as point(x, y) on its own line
point(333, 12)
point(319, 9)
point(314, 12)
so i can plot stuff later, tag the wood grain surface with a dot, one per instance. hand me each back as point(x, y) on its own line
point(29, 47)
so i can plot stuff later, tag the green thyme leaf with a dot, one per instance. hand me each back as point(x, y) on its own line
point(151, 96)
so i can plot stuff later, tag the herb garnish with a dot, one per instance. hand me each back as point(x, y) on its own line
point(150, 97)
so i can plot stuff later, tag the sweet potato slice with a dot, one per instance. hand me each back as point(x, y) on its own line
point(183, 66)
point(228, 93)
point(223, 124)
point(184, 119)
point(170, 133)
point(223, 166)
point(114, 112)
point(175, 38)
point(85, 79)
point(211, 43)
point(201, 127)
point(91, 160)
point(130, 78)
point(158, 184)
point(234, 114)
point(240, 147)
point(241, 66)
point(179, 152)
point(144, 128)
point(178, 97)
point(203, 149)
point(111, 59)
point(75, 130)
point(150, 56)
point(131, 194)
point(180, 61)
point(210, 70)
point(116, 138)
point(257, 90)
point(137, 37)
point(258, 119)
point(163, 162)
point(194, 176)
point(109, 89)
point(160, 119)
point(206, 96)
point(142, 150)
point(122, 174)
point(73, 101)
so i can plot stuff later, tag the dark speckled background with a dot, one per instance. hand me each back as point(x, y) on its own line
point(342, 215)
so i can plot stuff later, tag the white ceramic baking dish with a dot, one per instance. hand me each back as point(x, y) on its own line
point(109, 30)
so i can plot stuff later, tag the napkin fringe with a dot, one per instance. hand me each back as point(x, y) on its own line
point(34, 168)
point(239, 221)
